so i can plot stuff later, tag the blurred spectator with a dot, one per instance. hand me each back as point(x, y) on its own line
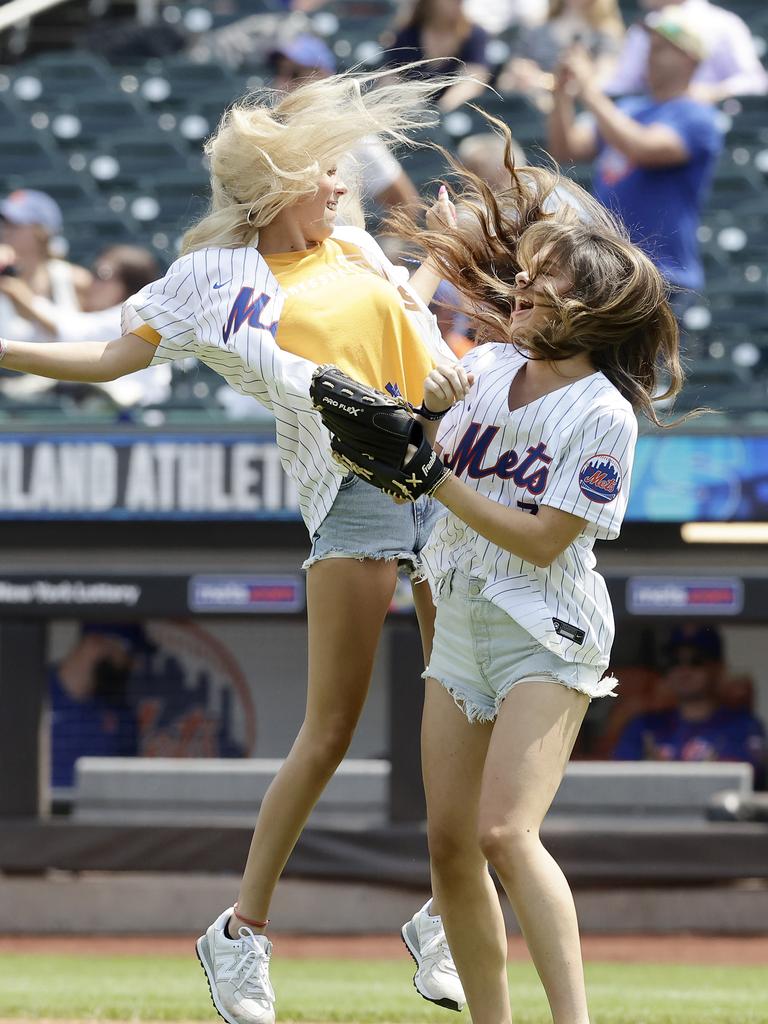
point(117, 273)
point(700, 727)
point(596, 25)
point(656, 154)
point(502, 15)
point(730, 67)
point(440, 31)
point(381, 175)
point(90, 716)
point(28, 221)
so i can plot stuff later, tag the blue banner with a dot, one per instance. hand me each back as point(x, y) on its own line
point(231, 475)
point(679, 479)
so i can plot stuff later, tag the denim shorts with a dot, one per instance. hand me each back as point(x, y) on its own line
point(480, 652)
point(364, 523)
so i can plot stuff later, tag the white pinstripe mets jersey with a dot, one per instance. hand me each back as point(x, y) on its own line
point(571, 449)
point(223, 306)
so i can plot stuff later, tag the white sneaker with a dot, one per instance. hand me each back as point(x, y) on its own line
point(238, 973)
point(436, 978)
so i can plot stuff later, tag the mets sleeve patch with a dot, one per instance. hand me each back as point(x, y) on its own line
point(600, 479)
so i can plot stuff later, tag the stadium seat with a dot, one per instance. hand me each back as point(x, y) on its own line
point(71, 191)
point(10, 116)
point(97, 116)
point(182, 195)
point(90, 230)
point(58, 74)
point(184, 79)
point(22, 151)
point(122, 158)
point(748, 128)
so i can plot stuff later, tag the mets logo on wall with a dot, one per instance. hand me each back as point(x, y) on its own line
point(600, 478)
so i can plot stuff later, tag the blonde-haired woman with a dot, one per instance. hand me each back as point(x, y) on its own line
point(597, 25)
point(268, 264)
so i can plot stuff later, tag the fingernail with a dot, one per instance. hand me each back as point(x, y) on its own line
point(442, 190)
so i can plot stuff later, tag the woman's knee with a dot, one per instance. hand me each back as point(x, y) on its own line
point(453, 849)
point(326, 743)
point(507, 846)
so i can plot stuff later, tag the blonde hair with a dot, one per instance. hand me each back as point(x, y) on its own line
point(270, 148)
point(601, 15)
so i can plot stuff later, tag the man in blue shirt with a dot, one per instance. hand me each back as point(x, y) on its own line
point(699, 728)
point(655, 154)
point(90, 715)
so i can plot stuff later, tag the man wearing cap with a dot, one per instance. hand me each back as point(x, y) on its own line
point(90, 714)
point(28, 221)
point(304, 57)
point(699, 728)
point(655, 154)
point(731, 66)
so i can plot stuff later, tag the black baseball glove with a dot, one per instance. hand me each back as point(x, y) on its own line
point(376, 436)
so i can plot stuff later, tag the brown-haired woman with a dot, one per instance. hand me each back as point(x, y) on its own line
point(440, 31)
point(540, 447)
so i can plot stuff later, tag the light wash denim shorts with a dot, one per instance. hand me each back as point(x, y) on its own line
point(364, 523)
point(480, 652)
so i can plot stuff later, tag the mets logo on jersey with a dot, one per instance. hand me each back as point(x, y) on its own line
point(248, 308)
point(600, 479)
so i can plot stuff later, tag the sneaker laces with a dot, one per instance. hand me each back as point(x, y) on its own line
point(252, 968)
point(437, 951)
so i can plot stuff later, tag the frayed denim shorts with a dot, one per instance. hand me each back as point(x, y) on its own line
point(479, 653)
point(364, 523)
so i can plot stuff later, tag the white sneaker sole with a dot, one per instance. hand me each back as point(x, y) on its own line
point(206, 962)
point(407, 933)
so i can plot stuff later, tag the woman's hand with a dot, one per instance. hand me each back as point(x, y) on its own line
point(7, 256)
point(25, 301)
point(524, 75)
point(579, 71)
point(445, 385)
point(441, 216)
point(17, 290)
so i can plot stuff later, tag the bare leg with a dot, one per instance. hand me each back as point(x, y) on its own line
point(347, 601)
point(532, 740)
point(453, 755)
point(425, 613)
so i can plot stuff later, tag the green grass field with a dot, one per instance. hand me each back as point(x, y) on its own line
point(169, 988)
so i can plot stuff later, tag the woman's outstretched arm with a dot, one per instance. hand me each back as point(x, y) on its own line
point(86, 361)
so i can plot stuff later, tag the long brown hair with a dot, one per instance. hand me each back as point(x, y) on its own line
point(617, 311)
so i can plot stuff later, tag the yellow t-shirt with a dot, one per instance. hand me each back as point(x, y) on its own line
point(337, 310)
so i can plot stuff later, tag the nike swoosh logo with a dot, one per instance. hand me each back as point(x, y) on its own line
point(217, 286)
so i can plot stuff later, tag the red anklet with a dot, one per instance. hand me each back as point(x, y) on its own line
point(248, 920)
